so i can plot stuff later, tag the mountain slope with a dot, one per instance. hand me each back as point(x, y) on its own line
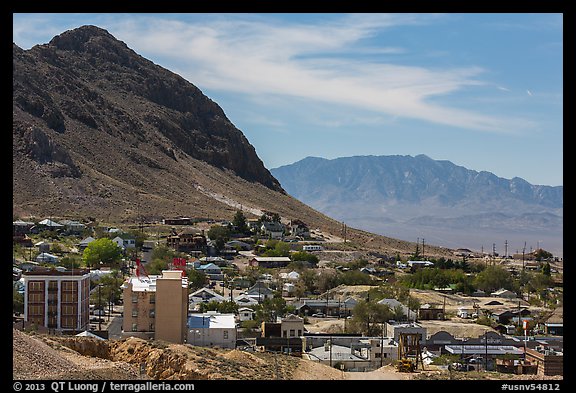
point(99, 131)
point(408, 197)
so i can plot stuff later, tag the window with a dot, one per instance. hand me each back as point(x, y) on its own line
point(152, 298)
point(134, 313)
point(292, 333)
point(134, 327)
point(225, 334)
point(151, 313)
point(134, 298)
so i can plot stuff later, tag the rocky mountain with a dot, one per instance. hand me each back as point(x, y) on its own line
point(410, 197)
point(99, 131)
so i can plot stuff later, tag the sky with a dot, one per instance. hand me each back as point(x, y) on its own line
point(484, 91)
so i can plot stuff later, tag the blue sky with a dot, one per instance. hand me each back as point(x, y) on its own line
point(484, 91)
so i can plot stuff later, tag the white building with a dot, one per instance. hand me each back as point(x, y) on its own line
point(212, 329)
point(245, 314)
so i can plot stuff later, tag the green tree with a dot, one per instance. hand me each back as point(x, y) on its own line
point(197, 279)
point(493, 278)
point(219, 235)
point(239, 221)
point(102, 251)
point(368, 318)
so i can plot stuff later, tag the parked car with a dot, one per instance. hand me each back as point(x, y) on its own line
point(319, 315)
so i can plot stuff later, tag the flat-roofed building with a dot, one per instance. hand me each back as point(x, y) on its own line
point(58, 300)
point(156, 306)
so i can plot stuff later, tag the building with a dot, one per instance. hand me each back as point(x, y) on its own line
point(156, 306)
point(393, 330)
point(212, 329)
point(395, 305)
point(273, 229)
point(554, 325)
point(204, 295)
point(504, 293)
point(269, 262)
point(47, 258)
point(299, 228)
point(330, 307)
point(292, 326)
point(260, 292)
point(57, 300)
point(430, 312)
point(245, 314)
point(549, 362)
point(188, 240)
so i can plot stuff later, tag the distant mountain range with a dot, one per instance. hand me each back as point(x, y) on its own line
point(418, 197)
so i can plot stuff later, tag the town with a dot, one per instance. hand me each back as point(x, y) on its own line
point(272, 285)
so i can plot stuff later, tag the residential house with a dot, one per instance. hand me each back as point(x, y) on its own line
point(212, 329)
point(394, 305)
point(292, 326)
point(504, 293)
point(292, 276)
point(487, 352)
point(84, 243)
point(20, 231)
point(288, 289)
point(45, 257)
point(269, 262)
point(212, 271)
point(260, 292)
point(299, 228)
point(430, 312)
point(42, 246)
point(72, 227)
point(48, 224)
point(273, 229)
point(554, 325)
point(188, 240)
point(331, 307)
point(240, 283)
point(245, 314)
point(125, 244)
point(343, 357)
point(245, 300)
point(204, 295)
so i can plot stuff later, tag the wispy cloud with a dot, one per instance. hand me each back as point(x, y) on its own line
point(269, 57)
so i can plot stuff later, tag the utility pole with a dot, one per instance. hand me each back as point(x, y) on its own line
point(505, 249)
point(523, 253)
point(423, 250)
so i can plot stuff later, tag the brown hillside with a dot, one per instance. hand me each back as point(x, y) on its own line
point(99, 131)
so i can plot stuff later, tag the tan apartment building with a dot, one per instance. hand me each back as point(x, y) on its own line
point(156, 306)
point(57, 300)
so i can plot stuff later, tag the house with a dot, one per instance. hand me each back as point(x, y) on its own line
point(240, 282)
point(430, 312)
point(288, 289)
point(292, 276)
point(73, 227)
point(273, 229)
point(269, 262)
point(554, 325)
point(245, 314)
point(331, 307)
point(292, 326)
point(212, 329)
point(188, 240)
point(84, 243)
point(204, 295)
point(124, 244)
point(299, 228)
point(45, 257)
point(245, 300)
point(504, 293)
point(345, 358)
point(394, 305)
point(212, 271)
point(260, 292)
point(42, 246)
point(50, 225)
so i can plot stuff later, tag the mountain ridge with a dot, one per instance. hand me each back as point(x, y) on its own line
point(418, 195)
